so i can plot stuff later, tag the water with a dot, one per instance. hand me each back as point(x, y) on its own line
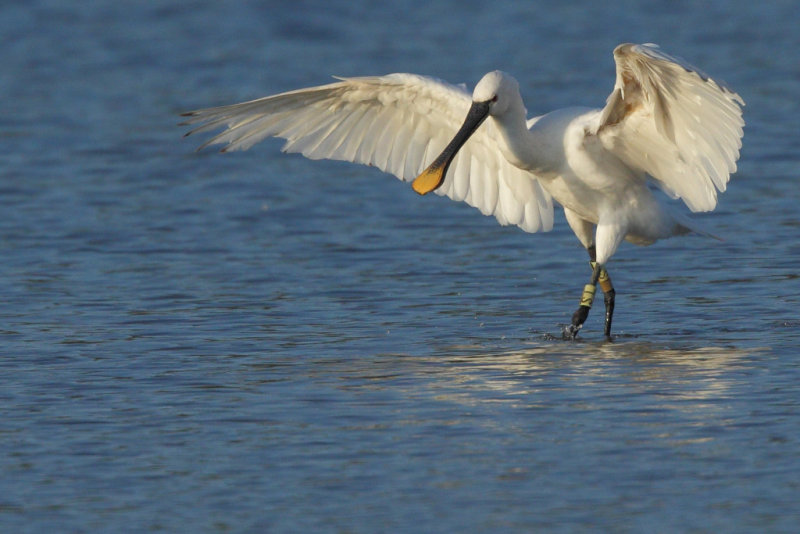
point(256, 342)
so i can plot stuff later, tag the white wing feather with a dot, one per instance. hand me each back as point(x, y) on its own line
point(398, 123)
point(670, 120)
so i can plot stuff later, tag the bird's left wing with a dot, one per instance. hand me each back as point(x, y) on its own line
point(398, 123)
point(670, 120)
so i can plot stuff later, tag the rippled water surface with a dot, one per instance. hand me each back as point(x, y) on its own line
point(254, 342)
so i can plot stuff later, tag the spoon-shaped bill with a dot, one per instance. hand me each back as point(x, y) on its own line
point(433, 177)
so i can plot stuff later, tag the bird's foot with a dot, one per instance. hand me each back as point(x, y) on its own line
point(570, 332)
point(578, 318)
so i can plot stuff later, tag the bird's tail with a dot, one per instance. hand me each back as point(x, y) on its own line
point(692, 226)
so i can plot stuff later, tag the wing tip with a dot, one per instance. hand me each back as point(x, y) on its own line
point(654, 51)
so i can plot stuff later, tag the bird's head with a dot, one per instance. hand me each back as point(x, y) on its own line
point(499, 89)
point(495, 95)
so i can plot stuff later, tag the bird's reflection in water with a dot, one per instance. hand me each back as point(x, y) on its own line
point(678, 395)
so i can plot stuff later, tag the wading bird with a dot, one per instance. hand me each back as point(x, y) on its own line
point(665, 123)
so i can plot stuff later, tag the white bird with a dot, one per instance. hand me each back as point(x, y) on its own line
point(665, 122)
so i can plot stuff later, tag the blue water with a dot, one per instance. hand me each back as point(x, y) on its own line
point(254, 342)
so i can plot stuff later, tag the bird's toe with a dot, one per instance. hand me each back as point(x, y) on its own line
point(570, 332)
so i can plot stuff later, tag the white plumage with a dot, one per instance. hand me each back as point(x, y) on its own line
point(670, 120)
point(664, 120)
point(397, 123)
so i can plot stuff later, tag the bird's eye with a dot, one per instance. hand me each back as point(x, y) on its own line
point(494, 98)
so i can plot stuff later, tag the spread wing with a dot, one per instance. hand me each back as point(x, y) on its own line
point(398, 123)
point(672, 121)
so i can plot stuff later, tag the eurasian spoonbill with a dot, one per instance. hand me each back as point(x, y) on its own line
point(665, 123)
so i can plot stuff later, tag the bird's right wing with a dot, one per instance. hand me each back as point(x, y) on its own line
point(398, 123)
point(670, 120)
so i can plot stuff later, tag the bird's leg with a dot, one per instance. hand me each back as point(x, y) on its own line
point(608, 296)
point(580, 315)
point(608, 290)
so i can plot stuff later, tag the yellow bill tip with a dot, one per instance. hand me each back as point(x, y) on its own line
point(430, 179)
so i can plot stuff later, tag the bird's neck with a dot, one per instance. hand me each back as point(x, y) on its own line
point(521, 147)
